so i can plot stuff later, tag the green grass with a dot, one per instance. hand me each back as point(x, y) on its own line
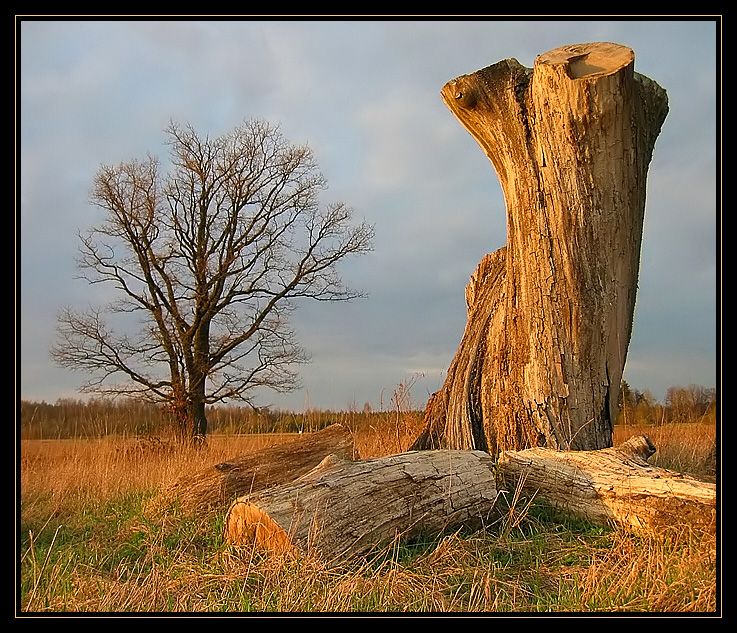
point(114, 559)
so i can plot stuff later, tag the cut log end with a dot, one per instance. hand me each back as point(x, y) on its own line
point(590, 60)
point(247, 525)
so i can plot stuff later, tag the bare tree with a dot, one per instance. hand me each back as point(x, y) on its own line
point(210, 257)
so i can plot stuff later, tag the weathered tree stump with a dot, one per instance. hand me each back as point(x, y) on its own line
point(612, 486)
point(218, 485)
point(341, 509)
point(550, 314)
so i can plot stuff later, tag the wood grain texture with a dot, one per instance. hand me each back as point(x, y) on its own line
point(550, 315)
point(612, 486)
point(344, 508)
point(217, 485)
point(341, 508)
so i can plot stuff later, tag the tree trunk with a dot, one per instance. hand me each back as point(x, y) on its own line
point(197, 369)
point(550, 314)
point(342, 508)
point(197, 416)
point(612, 486)
point(218, 485)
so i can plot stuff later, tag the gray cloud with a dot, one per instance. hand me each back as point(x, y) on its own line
point(365, 96)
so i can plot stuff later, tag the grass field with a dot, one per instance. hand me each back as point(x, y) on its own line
point(87, 543)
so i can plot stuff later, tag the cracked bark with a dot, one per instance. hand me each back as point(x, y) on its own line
point(612, 486)
point(550, 314)
point(344, 508)
point(217, 485)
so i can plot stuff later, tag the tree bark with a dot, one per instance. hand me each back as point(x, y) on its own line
point(218, 485)
point(197, 415)
point(612, 486)
point(198, 362)
point(550, 314)
point(342, 509)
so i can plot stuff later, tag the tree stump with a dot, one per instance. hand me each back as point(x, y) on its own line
point(550, 314)
point(218, 485)
point(342, 509)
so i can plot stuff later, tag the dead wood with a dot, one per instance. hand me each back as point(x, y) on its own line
point(542, 355)
point(612, 486)
point(341, 509)
point(217, 485)
point(550, 314)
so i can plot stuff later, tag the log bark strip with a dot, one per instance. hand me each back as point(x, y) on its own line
point(341, 509)
point(218, 485)
point(550, 314)
point(612, 486)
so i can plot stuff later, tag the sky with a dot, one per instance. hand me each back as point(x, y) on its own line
point(365, 96)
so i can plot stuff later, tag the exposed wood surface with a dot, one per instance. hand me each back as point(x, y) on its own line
point(550, 314)
point(612, 486)
point(218, 485)
point(341, 509)
point(344, 508)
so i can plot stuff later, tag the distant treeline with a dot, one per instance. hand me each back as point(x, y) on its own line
point(682, 404)
point(68, 418)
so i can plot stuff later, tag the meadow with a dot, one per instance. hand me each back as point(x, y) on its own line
point(88, 541)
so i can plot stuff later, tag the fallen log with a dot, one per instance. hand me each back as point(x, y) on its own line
point(219, 484)
point(341, 509)
point(611, 486)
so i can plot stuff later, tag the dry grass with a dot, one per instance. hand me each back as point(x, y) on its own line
point(687, 447)
point(86, 545)
point(93, 471)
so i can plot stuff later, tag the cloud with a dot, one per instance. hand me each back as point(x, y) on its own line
point(365, 96)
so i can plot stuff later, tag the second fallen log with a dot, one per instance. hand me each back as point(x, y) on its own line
point(219, 484)
point(343, 508)
point(612, 486)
